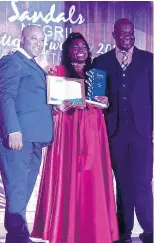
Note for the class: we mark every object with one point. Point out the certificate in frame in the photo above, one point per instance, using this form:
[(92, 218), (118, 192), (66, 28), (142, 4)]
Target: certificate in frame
[(60, 89)]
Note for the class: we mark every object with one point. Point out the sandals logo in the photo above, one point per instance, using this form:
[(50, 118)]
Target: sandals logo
[(50, 17), (57, 20), (56, 24)]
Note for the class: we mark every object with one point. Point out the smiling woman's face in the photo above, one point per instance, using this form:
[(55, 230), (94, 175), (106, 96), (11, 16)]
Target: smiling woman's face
[(78, 51)]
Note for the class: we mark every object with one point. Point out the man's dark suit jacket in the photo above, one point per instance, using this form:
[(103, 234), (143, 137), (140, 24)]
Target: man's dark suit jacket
[(23, 99), (140, 93)]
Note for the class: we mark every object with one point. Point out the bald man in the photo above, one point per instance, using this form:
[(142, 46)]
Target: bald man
[(26, 126), (129, 124)]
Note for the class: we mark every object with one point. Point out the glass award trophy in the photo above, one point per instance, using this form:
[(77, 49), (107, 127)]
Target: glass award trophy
[(96, 86)]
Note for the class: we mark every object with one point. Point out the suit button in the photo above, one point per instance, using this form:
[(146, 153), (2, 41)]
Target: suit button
[(124, 85), (124, 75), (124, 98)]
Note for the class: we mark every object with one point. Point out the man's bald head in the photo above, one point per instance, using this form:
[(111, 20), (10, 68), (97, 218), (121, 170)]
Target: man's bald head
[(30, 28), (122, 21), (124, 34), (32, 40)]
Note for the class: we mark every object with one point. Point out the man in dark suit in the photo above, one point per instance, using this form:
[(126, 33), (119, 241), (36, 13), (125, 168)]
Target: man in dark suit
[(26, 125), (129, 125)]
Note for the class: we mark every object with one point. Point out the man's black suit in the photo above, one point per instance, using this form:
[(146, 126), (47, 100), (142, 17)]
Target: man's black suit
[(129, 125)]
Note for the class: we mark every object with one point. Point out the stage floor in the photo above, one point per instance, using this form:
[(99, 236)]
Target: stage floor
[(135, 240), (3, 232)]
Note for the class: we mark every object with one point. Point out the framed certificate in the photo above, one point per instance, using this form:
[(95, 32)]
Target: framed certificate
[(60, 89)]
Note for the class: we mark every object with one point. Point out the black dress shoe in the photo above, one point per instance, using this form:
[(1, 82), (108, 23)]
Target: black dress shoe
[(146, 238), (128, 241), (125, 241)]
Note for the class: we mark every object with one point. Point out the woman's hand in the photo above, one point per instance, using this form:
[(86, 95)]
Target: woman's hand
[(102, 99), (65, 106)]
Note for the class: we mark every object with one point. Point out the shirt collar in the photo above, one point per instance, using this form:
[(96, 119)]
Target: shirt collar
[(24, 53), (130, 51)]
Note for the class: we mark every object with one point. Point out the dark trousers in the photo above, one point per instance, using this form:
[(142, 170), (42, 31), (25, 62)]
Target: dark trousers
[(132, 163), (19, 170)]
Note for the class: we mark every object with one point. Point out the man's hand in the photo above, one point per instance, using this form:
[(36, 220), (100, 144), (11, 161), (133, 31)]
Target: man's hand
[(15, 141)]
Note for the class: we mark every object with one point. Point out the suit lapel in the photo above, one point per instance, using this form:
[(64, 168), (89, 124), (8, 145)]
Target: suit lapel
[(134, 67), (114, 66), (32, 64)]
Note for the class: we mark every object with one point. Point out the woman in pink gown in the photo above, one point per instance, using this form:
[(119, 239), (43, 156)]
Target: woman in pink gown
[(76, 200)]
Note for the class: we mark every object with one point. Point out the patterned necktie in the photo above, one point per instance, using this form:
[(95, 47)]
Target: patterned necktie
[(36, 64), (124, 62), (34, 61)]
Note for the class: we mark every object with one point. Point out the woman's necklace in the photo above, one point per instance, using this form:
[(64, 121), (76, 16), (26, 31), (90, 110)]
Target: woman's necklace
[(79, 67)]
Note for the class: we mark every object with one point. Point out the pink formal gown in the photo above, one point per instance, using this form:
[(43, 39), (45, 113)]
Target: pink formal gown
[(76, 199)]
